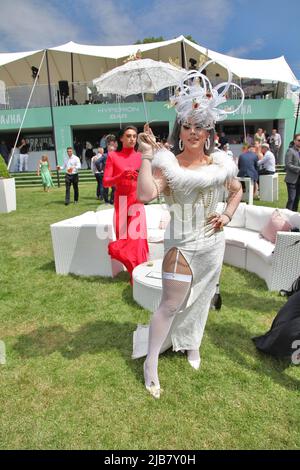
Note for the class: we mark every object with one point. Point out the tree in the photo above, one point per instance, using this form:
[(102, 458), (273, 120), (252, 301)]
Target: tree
[(161, 38), (152, 39), (190, 38)]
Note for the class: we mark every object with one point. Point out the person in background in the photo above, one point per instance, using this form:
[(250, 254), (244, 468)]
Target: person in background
[(44, 170), (247, 165), (223, 139), (292, 178), (266, 164), (89, 153), (226, 149), (98, 164), (259, 136), (103, 142), (78, 147), (121, 171), (249, 139), (24, 149), (275, 143), (112, 145), (71, 165)]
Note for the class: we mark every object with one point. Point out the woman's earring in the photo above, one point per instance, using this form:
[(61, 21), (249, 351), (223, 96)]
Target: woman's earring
[(207, 143), (180, 145)]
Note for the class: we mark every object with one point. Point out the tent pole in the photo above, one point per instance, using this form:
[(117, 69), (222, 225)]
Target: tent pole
[(72, 75), (24, 115), (52, 118), (183, 55), (297, 115), (243, 114)]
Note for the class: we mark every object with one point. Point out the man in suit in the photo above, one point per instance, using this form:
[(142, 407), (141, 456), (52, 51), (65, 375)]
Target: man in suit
[(292, 179), (247, 165)]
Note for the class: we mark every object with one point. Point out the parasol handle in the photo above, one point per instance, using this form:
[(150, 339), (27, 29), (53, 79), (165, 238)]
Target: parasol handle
[(145, 109)]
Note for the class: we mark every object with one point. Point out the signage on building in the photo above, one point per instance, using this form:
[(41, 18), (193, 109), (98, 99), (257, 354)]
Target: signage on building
[(9, 119)]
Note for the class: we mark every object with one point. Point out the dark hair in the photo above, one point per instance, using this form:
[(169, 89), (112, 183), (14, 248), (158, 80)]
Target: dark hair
[(174, 139), (122, 132), (296, 136), (68, 148), (111, 138)]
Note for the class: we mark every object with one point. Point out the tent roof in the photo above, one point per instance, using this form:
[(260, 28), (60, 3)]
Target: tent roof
[(91, 61)]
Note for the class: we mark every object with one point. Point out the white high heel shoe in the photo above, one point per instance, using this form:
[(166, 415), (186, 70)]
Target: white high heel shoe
[(195, 363), (153, 389)]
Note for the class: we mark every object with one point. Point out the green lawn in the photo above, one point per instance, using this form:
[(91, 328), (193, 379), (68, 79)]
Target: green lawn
[(69, 381)]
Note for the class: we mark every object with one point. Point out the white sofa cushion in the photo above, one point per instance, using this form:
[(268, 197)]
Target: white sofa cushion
[(257, 217), (251, 240), (263, 248), (239, 217)]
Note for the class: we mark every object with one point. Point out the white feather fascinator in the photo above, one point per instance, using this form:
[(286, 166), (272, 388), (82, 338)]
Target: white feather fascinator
[(197, 100)]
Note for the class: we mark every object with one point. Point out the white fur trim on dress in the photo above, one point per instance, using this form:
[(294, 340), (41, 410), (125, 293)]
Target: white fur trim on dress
[(183, 179)]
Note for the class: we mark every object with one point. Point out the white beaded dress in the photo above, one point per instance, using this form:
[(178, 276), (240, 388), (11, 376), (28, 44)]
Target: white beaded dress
[(194, 194)]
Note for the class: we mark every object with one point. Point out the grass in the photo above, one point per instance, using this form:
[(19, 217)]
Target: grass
[(69, 381)]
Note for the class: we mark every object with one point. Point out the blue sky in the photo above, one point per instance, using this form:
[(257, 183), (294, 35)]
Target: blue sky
[(257, 29)]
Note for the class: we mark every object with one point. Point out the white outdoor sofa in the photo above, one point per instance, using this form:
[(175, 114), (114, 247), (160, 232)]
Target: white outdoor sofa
[(80, 243), (278, 264)]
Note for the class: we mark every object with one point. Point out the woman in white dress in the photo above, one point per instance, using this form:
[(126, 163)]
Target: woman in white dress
[(191, 179)]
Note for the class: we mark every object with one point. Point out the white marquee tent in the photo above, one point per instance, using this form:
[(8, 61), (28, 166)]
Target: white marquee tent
[(82, 63)]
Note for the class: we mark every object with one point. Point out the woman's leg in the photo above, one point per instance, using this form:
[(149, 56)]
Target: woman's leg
[(176, 282)]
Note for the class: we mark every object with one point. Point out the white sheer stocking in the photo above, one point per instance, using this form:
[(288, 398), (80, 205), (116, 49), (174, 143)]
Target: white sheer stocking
[(174, 295)]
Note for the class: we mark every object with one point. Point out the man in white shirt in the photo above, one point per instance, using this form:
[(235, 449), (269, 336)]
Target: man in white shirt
[(71, 165), (266, 166), (275, 143)]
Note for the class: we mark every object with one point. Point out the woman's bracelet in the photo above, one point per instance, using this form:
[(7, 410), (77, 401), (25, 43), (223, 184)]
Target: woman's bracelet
[(147, 158), (227, 215)]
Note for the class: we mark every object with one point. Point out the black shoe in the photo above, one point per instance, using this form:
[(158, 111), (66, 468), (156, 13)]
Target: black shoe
[(67, 203)]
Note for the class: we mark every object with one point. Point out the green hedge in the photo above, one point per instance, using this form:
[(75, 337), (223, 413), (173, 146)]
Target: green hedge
[(3, 168)]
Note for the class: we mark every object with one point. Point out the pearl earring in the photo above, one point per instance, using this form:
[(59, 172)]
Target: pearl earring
[(180, 145)]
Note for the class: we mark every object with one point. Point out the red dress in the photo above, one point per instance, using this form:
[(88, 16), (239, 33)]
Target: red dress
[(131, 246)]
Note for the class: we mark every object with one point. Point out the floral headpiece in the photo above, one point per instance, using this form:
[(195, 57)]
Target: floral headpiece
[(197, 100)]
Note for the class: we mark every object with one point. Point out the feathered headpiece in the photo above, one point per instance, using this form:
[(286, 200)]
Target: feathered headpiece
[(196, 99)]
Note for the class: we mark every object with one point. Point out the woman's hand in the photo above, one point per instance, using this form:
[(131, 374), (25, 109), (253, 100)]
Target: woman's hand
[(215, 223), (147, 142), (130, 174)]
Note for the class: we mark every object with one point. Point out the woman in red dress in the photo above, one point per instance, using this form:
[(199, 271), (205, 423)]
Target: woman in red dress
[(121, 171)]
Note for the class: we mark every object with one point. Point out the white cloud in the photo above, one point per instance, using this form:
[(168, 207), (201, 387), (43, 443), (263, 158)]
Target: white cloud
[(115, 22), (120, 23), (244, 51), (206, 21), (33, 24)]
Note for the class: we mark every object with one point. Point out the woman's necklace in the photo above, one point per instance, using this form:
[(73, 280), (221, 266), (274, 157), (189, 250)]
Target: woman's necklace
[(204, 199)]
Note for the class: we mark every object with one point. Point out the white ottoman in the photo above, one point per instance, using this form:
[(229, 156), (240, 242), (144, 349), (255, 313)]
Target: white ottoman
[(268, 187), (147, 285), (80, 245)]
